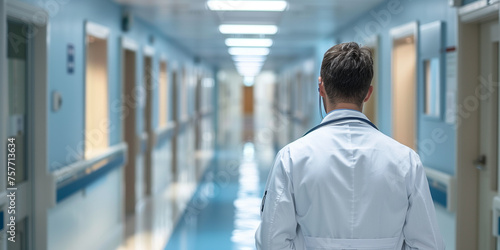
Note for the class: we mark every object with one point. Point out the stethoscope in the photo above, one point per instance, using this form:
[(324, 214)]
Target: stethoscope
[(341, 120), (338, 120)]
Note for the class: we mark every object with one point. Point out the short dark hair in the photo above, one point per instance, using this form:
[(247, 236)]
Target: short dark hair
[(347, 72)]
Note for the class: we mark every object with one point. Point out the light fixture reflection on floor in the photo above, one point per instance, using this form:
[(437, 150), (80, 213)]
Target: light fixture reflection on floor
[(247, 214)]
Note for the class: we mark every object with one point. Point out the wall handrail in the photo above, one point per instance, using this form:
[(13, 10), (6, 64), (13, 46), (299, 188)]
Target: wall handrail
[(478, 11), (165, 132), (79, 175), (442, 187)]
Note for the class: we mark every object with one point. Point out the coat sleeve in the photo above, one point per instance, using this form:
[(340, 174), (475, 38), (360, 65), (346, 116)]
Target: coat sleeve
[(420, 229), (278, 223)]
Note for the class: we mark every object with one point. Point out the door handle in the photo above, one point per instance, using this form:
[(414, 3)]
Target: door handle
[(480, 162)]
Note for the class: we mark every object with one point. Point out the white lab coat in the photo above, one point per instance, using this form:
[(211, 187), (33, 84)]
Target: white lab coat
[(347, 186)]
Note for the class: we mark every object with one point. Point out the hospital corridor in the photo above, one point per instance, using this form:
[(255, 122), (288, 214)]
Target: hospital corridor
[(211, 124)]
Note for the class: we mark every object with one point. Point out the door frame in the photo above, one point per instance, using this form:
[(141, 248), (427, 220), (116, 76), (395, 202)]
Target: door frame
[(396, 33), (373, 43), (42, 188), (467, 123), (148, 52), (130, 45), (175, 108), (487, 193)]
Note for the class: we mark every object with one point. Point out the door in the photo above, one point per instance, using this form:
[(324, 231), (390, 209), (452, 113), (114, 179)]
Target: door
[(297, 114), (175, 118), (198, 125), (198, 111), (487, 161), (129, 108), (248, 109), (19, 131), (148, 121), (404, 90)]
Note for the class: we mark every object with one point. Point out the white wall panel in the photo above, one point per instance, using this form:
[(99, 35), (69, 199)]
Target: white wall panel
[(87, 219)]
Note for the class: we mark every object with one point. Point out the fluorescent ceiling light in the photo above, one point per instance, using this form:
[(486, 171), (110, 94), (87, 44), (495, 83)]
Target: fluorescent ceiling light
[(219, 5), (249, 64), (249, 42), (248, 70), (248, 51), (248, 73), (249, 67), (249, 58), (248, 29)]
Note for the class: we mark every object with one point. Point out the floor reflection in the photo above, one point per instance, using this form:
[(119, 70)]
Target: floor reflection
[(247, 217), (224, 212)]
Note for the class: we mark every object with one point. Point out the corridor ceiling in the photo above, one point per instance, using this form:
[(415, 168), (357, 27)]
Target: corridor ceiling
[(190, 24)]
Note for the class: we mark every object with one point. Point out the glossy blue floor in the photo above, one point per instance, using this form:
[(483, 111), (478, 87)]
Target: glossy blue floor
[(225, 210)]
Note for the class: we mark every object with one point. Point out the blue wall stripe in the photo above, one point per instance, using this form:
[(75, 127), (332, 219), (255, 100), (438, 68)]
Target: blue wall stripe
[(164, 137), (67, 190), (438, 195), (498, 232), (1, 220), (182, 127)]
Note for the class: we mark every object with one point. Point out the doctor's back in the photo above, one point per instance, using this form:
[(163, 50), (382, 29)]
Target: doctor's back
[(345, 185)]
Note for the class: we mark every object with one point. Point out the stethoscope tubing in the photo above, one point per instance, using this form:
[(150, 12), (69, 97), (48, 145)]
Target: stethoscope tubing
[(340, 120)]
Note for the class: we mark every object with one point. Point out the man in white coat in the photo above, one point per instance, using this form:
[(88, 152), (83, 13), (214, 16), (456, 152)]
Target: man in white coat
[(345, 185)]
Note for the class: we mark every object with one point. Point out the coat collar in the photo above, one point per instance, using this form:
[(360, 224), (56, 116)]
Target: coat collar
[(341, 113)]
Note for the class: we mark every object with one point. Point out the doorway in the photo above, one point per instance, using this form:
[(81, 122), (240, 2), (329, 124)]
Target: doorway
[(487, 161), (198, 125), (248, 111), (148, 121), (19, 130), (163, 97), (298, 106), (175, 118), (129, 109), (248, 100), (477, 128), (23, 104), (96, 95), (198, 111), (404, 85)]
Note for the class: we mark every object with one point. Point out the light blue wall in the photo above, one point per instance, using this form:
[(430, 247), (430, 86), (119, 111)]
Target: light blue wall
[(379, 21), (66, 126), (101, 202), (67, 19)]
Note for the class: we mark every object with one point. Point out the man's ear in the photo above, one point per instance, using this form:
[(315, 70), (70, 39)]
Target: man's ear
[(321, 88), (370, 91)]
